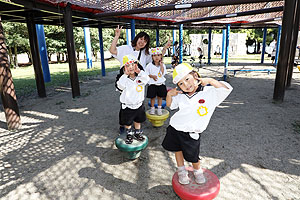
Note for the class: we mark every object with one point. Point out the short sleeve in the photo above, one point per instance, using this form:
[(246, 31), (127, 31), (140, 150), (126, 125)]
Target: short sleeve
[(121, 52), (174, 105), (220, 94)]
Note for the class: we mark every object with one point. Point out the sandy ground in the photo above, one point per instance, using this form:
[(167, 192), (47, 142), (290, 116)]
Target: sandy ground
[(65, 149)]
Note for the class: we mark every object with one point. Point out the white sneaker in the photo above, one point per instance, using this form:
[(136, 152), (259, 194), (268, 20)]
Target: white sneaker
[(159, 111), (199, 176), (152, 111), (183, 177)]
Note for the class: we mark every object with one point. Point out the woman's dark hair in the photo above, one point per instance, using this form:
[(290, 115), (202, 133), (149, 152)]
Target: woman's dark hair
[(146, 37)]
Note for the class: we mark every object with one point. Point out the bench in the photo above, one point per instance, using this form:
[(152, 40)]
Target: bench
[(251, 70)]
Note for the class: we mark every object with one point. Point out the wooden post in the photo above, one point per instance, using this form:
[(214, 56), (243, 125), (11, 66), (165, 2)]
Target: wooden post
[(293, 45), (7, 89), (71, 51), (285, 45), (36, 61)]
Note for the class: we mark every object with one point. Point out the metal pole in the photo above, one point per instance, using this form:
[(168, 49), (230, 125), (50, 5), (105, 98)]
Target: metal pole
[(180, 43), (128, 38), (277, 45), (43, 51), (157, 37), (285, 45), (264, 45), (132, 26), (174, 39), (88, 48), (101, 49), (209, 46), (223, 43), (226, 51)]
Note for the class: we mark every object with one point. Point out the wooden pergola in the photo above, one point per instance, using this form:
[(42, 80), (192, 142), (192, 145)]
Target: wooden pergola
[(150, 14)]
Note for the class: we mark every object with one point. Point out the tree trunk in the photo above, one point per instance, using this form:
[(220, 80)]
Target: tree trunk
[(7, 89), (11, 65), (29, 55), (58, 57), (78, 56)]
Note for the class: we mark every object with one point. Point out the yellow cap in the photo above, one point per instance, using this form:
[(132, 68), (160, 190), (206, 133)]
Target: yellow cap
[(156, 51), (129, 59), (181, 71)]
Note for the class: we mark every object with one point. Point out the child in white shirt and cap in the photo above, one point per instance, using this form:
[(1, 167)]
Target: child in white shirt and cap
[(157, 88), (196, 99), (132, 83)]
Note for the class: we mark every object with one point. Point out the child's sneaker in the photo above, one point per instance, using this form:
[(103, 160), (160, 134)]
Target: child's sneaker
[(152, 111), (199, 176), (159, 111), (138, 135), (129, 137), (183, 177)]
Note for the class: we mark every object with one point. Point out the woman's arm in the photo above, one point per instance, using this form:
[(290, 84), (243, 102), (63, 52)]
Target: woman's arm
[(113, 47)]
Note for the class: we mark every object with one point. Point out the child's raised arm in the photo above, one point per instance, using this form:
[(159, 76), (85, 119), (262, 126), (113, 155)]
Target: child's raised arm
[(213, 82), (170, 94)]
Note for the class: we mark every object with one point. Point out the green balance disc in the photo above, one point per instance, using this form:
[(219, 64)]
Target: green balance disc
[(133, 150)]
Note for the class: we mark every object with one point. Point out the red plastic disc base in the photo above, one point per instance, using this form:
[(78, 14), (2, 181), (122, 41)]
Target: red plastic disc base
[(193, 191)]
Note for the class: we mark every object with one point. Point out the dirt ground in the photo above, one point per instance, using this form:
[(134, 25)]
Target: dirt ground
[(65, 149)]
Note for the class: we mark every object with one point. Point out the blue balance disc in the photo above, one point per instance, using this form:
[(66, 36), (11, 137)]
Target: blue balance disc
[(163, 105), (133, 150)]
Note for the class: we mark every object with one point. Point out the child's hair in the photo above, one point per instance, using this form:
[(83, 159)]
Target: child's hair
[(146, 37)]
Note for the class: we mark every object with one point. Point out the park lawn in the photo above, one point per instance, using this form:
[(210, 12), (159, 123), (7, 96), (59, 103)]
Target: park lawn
[(25, 84)]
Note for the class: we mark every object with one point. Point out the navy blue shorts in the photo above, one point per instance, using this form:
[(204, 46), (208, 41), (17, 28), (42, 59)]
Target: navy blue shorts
[(156, 91), (181, 141), (127, 116)]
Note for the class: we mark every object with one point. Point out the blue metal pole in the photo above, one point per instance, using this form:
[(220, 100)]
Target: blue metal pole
[(157, 37), (264, 46), (174, 39), (209, 46), (180, 42), (101, 50), (277, 45), (223, 43), (132, 26), (88, 48), (43, 51), (226, 51), (128, 39)]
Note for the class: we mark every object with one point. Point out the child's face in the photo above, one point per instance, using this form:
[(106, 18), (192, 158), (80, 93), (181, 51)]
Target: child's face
[(130, 68), (156, 58), (188, 83)]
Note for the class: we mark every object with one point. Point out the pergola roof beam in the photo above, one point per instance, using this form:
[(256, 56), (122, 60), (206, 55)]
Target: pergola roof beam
[(251, 12), (169, 7)]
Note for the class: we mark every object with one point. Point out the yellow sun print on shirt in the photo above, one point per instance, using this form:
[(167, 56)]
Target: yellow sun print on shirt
[(159, 74), (139, 88), (202, 110)]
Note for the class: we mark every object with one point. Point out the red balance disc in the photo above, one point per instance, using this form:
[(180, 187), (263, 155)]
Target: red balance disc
[(193, 191)]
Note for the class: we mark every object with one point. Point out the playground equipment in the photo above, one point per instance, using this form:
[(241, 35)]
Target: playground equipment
[(251, 70), (193, 191), (158, 120), (133, 150), (163, 105)]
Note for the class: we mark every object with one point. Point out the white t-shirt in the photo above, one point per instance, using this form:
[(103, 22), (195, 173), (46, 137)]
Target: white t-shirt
[(128, 49), (195, 111), (155, 70), (133, 93)]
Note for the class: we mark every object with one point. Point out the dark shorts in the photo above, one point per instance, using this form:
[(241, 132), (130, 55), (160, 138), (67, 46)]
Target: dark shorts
[(156, 91), (181, 141), (127, 116)]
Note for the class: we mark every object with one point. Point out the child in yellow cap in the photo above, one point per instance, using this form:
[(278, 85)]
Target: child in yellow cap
[(196, 99), (157, 88), (132, 83)]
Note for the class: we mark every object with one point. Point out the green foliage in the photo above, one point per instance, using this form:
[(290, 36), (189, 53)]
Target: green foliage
[(55, 39)]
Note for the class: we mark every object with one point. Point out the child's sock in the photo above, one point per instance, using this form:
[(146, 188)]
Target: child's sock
[(181, 168)]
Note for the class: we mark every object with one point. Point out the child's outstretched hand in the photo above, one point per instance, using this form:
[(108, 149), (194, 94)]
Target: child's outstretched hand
[(118, 31), (174, 92)]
